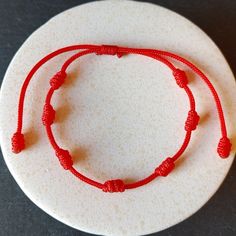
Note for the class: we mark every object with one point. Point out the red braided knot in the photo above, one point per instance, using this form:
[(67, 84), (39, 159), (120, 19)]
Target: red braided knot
[(64, 158), (58, 79), (192, 120), (109, 50), (224, 147), (165, 167), (17, 142), (48, 114), (116, 185), (180, 77)]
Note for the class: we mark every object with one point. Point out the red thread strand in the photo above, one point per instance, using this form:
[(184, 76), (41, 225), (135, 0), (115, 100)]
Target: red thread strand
[(35, 69), (197, 71), (144, 181), (58, 79)]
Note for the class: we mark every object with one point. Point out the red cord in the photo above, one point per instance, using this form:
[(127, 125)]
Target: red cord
[(58, 79)]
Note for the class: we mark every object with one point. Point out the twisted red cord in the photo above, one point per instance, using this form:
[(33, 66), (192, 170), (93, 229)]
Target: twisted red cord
[(57, 81)]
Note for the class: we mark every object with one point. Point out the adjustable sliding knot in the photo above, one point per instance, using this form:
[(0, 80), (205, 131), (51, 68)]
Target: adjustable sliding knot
[(64, 158), (48, 114), (109, 50), (17, 142), (192, 120), (224, 147), (165, 167), (116, 185), (57, 80), (180, 77)]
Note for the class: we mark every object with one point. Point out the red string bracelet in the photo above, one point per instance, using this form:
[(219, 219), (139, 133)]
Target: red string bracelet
[(64, 157)]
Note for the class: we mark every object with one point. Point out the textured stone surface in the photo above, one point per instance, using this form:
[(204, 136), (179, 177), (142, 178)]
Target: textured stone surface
[(119, 116)]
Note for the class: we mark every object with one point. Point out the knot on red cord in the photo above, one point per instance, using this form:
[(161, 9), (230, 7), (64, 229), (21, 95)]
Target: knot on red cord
[(192, 120), (116, 185), (165, 167), (48, 114), (224, 147), (65, 158), (109, 50), (17, 142), (57, 80), (180, 77)]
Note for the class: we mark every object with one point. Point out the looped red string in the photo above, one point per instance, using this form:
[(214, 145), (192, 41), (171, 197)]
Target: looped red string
[(48, 114), (192, 121), (165, 167), (64, 158), (57, 80), (112, 186), (224, 147)]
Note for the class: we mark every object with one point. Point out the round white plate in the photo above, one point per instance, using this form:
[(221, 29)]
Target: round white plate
[(120, 118)]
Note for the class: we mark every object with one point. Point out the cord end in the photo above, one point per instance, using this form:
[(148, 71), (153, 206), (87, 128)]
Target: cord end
[(224, 147), (17, 142)]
